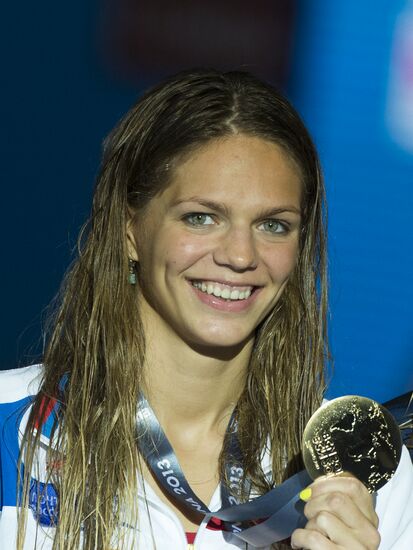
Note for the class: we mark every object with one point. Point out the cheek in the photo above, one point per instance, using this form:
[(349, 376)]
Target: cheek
[(181, 252), (281, 262)]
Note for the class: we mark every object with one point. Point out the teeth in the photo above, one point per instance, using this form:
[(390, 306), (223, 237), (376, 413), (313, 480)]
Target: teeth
[(225, 293)]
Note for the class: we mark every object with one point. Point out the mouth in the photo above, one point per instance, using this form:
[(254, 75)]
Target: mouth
[(225, 291)]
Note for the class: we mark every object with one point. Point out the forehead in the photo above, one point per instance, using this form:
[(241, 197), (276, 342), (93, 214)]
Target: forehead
[(237, 167)]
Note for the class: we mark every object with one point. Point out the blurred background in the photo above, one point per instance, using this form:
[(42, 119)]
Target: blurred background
[(70, 70)]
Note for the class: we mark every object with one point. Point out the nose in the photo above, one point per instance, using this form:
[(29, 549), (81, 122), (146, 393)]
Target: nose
[(237, 250)]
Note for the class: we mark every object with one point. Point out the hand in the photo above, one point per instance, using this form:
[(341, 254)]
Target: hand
[(340, 516)]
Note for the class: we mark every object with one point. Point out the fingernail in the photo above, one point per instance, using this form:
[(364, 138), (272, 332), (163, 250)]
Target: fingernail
[(305, 494)]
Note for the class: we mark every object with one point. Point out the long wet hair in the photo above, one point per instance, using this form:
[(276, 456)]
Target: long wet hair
[(96, 340)]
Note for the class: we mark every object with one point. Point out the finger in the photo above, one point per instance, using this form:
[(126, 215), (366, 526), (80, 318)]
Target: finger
[(311, 540), (350, 486), (344, 508), (332, 528)]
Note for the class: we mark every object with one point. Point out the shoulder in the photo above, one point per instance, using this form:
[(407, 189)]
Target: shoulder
[(16, 384), (394, 507)]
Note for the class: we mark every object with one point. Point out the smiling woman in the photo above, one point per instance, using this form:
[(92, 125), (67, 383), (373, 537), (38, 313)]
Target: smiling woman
[(188, 349), (207, 246)]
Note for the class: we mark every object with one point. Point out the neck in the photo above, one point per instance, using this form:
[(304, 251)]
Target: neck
[(192, 391)]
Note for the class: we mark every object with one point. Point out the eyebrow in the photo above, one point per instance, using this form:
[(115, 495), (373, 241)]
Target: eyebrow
[(223, 209)]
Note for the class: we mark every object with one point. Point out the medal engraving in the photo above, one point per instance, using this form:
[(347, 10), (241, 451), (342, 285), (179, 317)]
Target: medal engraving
[(352, 434)]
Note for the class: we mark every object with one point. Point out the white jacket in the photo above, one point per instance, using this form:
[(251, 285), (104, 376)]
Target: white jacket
[(159, 527)]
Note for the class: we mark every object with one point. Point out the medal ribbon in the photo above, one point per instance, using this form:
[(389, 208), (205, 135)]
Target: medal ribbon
[(264, 520)]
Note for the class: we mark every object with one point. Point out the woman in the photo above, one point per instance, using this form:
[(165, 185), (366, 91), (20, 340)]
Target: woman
[(200, 285)]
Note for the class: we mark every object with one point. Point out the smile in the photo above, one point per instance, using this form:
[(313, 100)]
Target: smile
[(223, 291)]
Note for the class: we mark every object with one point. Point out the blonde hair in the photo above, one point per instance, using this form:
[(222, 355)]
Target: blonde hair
[(96, 335)]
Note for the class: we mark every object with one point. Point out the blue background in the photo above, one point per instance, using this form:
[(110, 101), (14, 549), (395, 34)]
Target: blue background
[(59, 101), (340, 84)]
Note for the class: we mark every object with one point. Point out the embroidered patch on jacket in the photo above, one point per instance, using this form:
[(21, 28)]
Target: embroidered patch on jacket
[(43, 502)]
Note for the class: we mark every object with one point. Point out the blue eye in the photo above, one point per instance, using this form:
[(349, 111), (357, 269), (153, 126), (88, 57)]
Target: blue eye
[(275, 227), (197, 218)]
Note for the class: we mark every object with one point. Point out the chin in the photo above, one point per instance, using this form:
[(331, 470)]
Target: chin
[(217, 344)]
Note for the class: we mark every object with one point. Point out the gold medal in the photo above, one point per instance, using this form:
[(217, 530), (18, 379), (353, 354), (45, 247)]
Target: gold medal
[(352, 434)]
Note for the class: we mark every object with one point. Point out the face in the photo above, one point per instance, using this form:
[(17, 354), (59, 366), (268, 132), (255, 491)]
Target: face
[(217, 246)]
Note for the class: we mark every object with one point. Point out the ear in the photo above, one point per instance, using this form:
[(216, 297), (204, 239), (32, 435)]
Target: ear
[(131, 241)]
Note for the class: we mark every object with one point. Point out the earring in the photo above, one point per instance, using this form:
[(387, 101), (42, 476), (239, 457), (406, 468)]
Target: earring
[(132, 271)]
